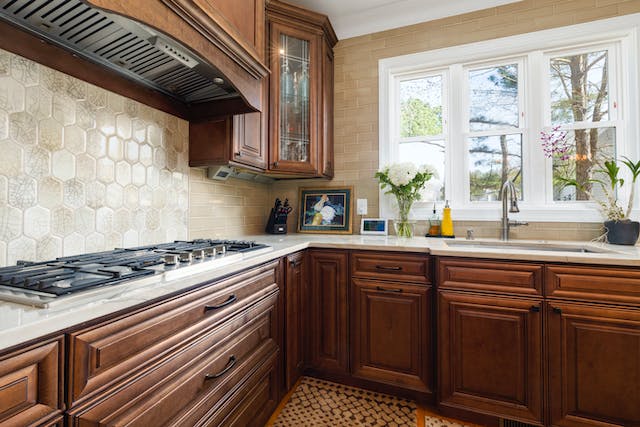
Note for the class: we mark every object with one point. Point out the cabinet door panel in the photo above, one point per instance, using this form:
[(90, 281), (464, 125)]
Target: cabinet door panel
[(329, 311), (391, 326), (594, 365), (490, 355), (31, 385), (295, 292)]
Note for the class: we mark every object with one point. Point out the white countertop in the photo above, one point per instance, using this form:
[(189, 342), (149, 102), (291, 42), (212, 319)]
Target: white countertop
[(20, 323)]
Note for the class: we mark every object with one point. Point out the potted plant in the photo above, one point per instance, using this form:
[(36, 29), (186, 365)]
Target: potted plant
[(404, 180), (619, 228)]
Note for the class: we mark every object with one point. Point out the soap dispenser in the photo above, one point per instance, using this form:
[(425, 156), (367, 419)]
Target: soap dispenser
[(434, 224), (446, 229)]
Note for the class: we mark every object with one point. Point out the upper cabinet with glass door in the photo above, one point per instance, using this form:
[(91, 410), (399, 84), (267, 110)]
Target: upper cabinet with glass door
[(301, 91)]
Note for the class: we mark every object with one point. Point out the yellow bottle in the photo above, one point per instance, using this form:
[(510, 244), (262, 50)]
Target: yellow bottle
[(446, 229)]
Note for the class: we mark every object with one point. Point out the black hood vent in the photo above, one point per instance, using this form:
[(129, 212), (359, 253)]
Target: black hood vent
[(122, 45)]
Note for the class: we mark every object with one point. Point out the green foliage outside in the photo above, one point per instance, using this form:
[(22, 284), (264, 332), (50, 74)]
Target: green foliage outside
[(418, 118)]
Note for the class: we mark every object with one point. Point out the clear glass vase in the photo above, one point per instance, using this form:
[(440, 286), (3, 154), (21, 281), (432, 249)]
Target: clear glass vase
[(402, 224)]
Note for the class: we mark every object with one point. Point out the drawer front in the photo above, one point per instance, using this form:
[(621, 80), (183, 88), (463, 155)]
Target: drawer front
[(253, 403), (404, 267), (31, 385), (593, 283), (103, 354), (194, 380), (492, 276)]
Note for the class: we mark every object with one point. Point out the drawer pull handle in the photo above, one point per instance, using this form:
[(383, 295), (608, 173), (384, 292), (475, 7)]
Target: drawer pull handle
[(557, 310), (389, 268), (229, 300), (381, 289), (230, 364), (535, 309)]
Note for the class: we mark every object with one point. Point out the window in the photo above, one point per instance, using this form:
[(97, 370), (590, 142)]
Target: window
[(421, 133), (476, 113), (494, 138)]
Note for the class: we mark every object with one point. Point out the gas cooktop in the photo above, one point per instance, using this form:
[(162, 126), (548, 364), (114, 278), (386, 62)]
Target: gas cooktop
[(42, 283)]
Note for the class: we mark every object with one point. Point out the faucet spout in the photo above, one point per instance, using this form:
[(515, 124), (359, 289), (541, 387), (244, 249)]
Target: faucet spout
[(509, 197)]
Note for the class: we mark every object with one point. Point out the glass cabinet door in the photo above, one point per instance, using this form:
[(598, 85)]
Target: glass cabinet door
[(294, 99), (294, 137)]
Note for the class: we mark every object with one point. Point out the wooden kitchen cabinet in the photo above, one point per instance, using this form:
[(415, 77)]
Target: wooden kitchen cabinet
[(32, 385), (239, 140), (391, 333), (295, 294), (490, 355), (328, 327), (301, 91), (594, 365)]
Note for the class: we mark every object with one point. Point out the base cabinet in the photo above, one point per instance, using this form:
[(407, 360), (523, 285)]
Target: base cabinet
[(594, 365), (490, 350), (391, 329), (328, 315)]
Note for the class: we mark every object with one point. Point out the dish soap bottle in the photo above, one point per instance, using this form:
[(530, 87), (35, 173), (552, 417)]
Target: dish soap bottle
[(446, 229), (434, 223)]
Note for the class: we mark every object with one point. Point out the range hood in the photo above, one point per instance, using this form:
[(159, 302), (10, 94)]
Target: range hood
[(126, 47)]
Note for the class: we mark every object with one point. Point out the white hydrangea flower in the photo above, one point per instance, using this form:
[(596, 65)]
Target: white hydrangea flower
[(402, 173), (430, 169)]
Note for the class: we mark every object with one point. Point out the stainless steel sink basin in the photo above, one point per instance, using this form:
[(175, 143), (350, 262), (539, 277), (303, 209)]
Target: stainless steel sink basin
[(526, 246)]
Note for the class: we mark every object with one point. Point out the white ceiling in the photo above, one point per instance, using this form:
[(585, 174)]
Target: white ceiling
[(352, 18)]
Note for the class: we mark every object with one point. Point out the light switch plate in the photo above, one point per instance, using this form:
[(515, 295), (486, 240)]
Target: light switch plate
[(361, 207)]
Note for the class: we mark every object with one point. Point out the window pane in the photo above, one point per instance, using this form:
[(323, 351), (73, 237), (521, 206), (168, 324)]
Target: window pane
[(492, 160), (579, 88), (493, 98), (431, 153), (421, 107), (588, 150)]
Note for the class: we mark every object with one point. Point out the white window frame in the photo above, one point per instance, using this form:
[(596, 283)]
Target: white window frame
[(535, 48)]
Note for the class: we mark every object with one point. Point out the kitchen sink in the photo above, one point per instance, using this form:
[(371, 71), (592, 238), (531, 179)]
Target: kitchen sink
[(529, 246)]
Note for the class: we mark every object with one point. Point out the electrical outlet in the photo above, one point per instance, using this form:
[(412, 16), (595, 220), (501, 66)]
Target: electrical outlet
[(362, 207)]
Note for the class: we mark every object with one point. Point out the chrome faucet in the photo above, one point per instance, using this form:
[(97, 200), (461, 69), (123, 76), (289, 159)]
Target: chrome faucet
[(512, 199)]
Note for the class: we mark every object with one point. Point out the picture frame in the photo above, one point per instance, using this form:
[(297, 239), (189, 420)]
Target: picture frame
[(374, 226), (325, 210)]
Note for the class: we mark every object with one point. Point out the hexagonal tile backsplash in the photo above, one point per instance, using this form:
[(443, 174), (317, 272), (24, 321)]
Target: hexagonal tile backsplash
[(83, 169)]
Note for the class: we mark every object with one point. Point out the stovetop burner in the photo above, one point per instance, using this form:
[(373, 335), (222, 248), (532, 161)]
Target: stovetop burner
[(67, 275)]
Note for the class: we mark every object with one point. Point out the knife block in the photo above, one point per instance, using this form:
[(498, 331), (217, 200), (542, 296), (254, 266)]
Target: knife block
[(277, 223)]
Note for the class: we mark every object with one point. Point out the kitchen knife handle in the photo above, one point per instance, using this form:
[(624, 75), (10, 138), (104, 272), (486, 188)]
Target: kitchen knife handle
[(230, 364), (381, 289), (389, 268), (229, 300)]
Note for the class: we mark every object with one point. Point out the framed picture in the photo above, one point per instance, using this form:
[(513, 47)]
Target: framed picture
[(325, 210), (375, 226)]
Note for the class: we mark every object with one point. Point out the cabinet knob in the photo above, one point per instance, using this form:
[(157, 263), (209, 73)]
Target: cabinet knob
[(275, 164), (230, 364), (557, 310), (535, 309), (237, 154)]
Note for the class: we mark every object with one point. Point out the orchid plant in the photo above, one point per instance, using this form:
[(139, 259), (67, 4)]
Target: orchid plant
[(554, 145)]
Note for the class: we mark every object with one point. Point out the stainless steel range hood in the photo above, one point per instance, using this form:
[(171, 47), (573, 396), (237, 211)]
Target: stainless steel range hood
[(124, 46)]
